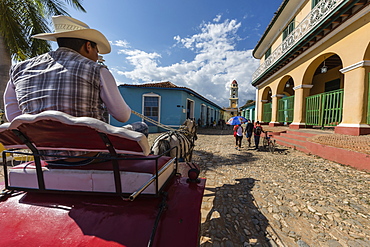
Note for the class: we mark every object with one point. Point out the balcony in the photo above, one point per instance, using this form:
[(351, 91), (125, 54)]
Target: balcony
[(309, 24)]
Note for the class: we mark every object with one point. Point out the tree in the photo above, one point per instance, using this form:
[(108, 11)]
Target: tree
[(21, 19)]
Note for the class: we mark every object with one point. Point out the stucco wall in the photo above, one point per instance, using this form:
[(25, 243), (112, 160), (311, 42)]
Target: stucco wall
[(173, 105)]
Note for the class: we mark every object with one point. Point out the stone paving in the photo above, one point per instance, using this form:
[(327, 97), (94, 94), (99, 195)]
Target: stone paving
[(255, 198)]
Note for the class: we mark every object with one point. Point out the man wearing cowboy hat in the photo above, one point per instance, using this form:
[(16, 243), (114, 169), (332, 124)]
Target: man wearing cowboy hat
[(68, 79)]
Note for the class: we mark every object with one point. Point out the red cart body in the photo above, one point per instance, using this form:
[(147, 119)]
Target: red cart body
[(164, 211)]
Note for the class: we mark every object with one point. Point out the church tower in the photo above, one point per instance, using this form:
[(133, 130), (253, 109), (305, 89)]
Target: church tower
[(234, 94)]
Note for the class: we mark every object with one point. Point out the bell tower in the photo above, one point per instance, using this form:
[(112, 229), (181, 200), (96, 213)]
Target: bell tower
[(234, 94)]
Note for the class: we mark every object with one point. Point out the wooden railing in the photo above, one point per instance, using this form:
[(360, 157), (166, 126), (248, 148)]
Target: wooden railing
[(325, 109)]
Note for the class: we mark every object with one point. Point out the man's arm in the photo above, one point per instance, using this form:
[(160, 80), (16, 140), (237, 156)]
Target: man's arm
[(112, 98), (10, 102)]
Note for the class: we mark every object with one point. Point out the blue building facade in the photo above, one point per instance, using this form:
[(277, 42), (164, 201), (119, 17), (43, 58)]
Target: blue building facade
[(249, 110), (167, 104)]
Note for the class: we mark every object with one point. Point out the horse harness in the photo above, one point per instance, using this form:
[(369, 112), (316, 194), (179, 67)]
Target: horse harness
[(182, 144)]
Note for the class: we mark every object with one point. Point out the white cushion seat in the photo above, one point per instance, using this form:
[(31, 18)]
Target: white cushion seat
[(53, 130), (97, 177)]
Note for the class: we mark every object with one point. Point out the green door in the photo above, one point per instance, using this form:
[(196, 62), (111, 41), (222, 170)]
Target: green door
[(286, 109), (267, 112)]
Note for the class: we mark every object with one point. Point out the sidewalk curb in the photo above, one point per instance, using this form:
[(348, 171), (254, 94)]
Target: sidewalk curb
[(360, 161)]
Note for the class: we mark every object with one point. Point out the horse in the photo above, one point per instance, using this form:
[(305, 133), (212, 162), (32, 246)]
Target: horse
[(183, 138)]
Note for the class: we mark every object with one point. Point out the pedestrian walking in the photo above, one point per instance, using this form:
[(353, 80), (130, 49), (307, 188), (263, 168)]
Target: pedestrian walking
[(199, 122), (249, 131), (238, 134), (223, 124), (257, 130)]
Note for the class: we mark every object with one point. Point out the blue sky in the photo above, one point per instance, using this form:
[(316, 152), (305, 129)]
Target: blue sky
[(200, 44)]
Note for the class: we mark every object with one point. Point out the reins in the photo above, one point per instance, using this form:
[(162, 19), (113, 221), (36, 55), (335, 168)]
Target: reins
[(153, 121), (162, 125)]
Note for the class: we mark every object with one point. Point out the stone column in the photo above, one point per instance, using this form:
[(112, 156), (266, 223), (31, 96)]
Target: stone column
[(355, 100), (275, 110), (300, 95), (257, 107)]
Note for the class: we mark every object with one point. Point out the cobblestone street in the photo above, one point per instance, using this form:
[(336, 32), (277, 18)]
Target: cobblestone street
[(255, 198)]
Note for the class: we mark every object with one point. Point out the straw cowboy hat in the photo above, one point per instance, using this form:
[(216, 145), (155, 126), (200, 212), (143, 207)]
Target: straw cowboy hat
[(68, 27)]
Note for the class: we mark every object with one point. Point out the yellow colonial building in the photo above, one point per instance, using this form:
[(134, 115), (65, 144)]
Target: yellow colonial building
[(315, 65)]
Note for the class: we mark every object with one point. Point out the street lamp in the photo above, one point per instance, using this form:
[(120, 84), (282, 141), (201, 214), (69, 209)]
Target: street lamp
[(324, 69)]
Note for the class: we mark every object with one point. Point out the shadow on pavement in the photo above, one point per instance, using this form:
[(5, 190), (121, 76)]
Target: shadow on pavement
[(245, 155), (278, 150), (234, 217)]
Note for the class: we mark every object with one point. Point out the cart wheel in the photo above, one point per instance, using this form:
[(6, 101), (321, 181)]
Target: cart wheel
[(272, 147), (264, 143)]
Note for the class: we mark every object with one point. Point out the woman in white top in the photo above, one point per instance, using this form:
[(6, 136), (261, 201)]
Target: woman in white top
[(238, 133)]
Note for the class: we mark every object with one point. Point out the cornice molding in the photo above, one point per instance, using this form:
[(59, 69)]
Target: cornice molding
[(278, 95), (304, 86), (365, 63)]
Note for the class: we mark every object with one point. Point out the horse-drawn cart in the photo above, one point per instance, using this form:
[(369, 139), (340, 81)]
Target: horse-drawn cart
[(123, 197)]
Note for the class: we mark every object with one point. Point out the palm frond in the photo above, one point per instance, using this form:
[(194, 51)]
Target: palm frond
[(58, 7), (11, 28), (36, 23), (21, 19)]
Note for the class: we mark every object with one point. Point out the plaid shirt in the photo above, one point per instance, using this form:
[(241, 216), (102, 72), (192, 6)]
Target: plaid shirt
[(61, 80)]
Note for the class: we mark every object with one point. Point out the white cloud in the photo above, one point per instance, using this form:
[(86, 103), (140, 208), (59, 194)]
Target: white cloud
[(215, 65), (218, 18), (258, 25), (121, 43)]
